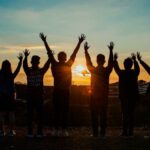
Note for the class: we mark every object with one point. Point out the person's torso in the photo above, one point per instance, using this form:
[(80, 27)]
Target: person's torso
[(35, 78), (100, 80), (62, 75), (7, 86), (128, 83)]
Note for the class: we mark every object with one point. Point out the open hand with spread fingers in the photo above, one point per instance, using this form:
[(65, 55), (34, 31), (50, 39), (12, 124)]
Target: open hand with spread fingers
[(82, 38), (42, 36), (111, 46), (26, 53), (86, 46)]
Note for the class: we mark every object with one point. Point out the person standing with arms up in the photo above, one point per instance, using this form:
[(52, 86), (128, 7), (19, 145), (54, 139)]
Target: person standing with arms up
[(61, 71), (35, 76), (147, 68), (7, 95), (128, 91), (99, 89)]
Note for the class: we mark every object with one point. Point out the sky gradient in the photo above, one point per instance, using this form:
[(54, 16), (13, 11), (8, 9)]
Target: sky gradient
[(125, 22)]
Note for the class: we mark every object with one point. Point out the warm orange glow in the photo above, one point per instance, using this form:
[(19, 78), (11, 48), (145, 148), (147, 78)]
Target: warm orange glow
[(80, 70), (78, 78)]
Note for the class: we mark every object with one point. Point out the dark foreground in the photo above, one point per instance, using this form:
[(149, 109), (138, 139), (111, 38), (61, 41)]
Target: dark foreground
[(80, 139)]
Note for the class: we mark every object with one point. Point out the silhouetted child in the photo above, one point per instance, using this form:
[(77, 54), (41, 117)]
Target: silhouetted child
[(99, 89), (128, 91), (7, 95), (61, 71), (35, 76)]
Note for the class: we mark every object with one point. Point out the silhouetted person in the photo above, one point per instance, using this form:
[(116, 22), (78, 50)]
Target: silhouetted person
[(35, 76), (128, 91), (99, 89), (61, 71), (7, 95), (146, 67)]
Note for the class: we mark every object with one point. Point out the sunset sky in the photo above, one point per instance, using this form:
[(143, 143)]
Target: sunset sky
[(126, 22)]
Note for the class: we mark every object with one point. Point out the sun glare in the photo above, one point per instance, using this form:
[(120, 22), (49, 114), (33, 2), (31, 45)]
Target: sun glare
[(81, 70)]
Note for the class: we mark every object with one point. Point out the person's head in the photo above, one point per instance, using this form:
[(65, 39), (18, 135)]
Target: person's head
[(100, 59), (128, 63), (62, 56), (6, 67), (35, 60)]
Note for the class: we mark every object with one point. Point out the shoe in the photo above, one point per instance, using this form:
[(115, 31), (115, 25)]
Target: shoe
[(12, 133), (130, 134), (56, 133), (146, 137), (94, 135), (40, 135), (2, 133), (124, 134), (65, 133), (53, 132), (59, 133), (102, 132), (102, 135), (29, 136)]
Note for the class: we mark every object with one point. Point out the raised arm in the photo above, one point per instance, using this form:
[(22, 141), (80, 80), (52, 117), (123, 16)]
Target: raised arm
[(145, 66), (46, 66), (73, 56), (20, 57), (136, 65), (25, 61), (49, 51), (110, 60), (88, 58), (116, 66)]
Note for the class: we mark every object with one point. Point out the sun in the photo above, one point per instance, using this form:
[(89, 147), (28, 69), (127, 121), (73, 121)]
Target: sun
[(81, 70)]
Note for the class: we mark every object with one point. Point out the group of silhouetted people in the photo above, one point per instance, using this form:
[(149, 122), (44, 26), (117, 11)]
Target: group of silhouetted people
[(61, 71)]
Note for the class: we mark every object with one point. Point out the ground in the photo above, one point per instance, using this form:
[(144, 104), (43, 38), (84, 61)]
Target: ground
[(80, 139)]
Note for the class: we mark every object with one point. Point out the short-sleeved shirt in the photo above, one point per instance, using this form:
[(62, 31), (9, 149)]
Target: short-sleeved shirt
[(100, 80)]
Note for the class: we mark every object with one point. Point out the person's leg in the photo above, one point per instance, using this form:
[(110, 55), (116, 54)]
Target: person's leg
[(1, 122), (11, 120), (103, 118), (56, 109), (124, 104), (94, 116), (65, 109), (131, 117), (30, 108), (39, 110)]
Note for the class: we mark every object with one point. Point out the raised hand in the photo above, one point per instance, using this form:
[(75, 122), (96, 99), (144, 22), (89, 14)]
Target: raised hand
[(115, 56), (133, 56), (20, 56), (86, 46), (42, 36), (26, 53), (111, 46), (139, 57), (82, 38)]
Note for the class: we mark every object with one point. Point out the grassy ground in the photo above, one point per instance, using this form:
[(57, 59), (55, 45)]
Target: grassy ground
[(80, 139)]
